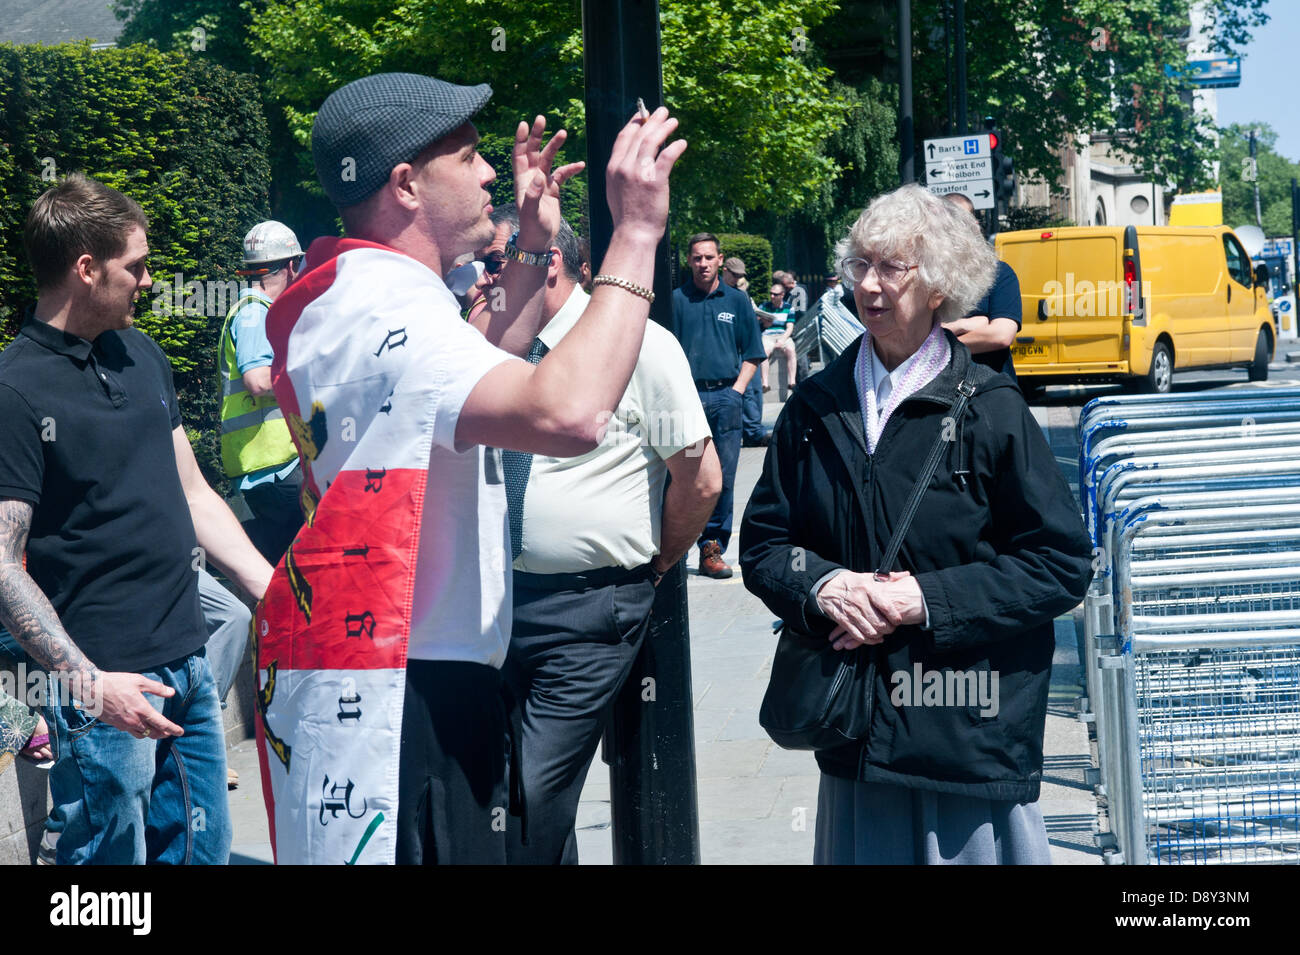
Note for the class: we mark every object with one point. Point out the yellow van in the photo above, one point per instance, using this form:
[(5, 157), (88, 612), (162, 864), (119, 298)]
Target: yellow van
[(1132, 303)]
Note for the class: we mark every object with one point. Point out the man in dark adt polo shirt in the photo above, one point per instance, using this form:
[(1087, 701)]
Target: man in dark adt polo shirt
[(989, 329), (716, 325), (99, 487)]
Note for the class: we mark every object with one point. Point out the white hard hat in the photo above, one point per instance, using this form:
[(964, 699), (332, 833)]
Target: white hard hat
[(270, 241)]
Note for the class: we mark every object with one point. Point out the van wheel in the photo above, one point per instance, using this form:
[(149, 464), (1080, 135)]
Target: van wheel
[(1160, 375), (1258, 369)]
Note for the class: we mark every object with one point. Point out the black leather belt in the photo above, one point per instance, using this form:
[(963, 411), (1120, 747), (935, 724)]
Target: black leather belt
[(587, 580), (704, 384)]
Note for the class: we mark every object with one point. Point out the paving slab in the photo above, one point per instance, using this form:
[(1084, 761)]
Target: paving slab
[(737, 797)]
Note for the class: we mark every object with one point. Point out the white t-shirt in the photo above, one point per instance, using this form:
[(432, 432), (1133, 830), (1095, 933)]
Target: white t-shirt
[(604, 508), (407, 365), (462, 605)]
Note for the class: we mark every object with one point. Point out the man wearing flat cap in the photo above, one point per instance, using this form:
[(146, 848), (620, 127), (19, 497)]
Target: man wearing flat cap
[(384, 629)]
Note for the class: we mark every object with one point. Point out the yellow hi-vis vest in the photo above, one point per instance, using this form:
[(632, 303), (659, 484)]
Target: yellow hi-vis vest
[(254, 434)]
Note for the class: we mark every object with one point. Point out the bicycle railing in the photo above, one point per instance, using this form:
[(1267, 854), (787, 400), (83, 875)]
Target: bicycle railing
[(1107, 417), (1192, 624), (827, 327)]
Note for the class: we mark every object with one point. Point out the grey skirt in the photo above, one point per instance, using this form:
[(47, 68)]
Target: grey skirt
[(876, 824)]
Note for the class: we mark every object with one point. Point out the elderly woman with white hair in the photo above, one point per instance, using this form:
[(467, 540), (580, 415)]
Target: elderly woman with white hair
[(914, 533)]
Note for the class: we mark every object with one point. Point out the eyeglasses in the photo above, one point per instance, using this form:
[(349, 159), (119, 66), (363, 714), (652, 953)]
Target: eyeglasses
[(889, 272), (494, 262)]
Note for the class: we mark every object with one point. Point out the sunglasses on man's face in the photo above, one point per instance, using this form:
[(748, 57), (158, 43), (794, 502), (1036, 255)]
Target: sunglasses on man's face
[(494, 262)]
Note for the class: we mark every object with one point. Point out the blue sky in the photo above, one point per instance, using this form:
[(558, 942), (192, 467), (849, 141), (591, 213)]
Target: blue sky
[(1267, 93)]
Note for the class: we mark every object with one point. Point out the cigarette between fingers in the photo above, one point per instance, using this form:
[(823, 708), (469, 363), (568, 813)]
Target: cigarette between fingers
[(641, 111)]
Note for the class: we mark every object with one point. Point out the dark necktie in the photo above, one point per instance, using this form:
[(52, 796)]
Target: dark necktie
[(517, 465)]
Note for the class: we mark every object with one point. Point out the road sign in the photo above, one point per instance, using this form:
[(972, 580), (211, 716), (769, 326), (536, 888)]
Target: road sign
[(1221, 72), (1278, 246), (979, 192), (961, 164), (959, 170), (956, 147)]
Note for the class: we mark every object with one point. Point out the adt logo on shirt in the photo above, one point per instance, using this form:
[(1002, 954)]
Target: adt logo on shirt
[(728, 317)]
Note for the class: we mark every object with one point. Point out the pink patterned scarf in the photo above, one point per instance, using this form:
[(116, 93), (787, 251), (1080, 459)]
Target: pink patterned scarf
[(930, 359)]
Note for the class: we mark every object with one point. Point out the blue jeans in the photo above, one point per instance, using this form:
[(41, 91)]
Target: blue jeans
[(722, 410), (752, 430), (129, 801)]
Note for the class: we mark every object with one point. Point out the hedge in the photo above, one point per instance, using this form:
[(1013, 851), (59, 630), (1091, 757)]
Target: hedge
[(756, 252), (184, 138)]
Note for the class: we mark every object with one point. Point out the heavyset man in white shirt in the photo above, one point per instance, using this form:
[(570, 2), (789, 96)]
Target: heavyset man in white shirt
[(592, 537)]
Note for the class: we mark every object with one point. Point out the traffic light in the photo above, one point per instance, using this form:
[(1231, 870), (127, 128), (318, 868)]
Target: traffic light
[(1004, 173)]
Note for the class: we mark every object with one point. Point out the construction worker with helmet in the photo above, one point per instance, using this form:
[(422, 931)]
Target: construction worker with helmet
[(256, 447)]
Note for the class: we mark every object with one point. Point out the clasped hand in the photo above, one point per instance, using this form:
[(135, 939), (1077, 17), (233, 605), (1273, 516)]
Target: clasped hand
[(865, 609)]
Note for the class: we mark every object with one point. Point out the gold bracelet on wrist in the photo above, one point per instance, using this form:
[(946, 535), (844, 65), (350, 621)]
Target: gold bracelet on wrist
[(624, 284)]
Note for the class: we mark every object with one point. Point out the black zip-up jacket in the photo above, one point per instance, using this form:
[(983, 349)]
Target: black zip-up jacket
[(998, 553)]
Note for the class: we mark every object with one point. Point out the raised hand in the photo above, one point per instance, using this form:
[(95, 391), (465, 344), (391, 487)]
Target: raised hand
[(537, 185), (636, 179)]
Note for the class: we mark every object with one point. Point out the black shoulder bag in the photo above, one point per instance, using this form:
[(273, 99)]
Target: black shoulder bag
[(818, 697)]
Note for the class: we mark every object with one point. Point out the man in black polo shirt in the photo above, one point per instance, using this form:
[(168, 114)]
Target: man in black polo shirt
[(716, 325), (989, 329), (100, 488)]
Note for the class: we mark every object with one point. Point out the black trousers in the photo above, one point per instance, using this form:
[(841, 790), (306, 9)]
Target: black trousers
[(277, 515), (452, 805), (570, 652)]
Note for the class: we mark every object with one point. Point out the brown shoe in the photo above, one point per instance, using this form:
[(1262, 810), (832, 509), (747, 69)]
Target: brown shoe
[(232, 778), (711, 562)]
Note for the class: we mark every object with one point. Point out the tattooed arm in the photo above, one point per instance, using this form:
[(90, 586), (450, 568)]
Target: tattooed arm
[(26, 611)]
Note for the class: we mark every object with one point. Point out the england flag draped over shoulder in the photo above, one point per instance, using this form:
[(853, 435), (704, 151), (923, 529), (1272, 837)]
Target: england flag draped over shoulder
[(332, 631)]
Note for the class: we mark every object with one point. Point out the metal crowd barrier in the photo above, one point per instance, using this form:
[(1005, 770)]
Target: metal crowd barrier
[(1192, 625), (825, 330)]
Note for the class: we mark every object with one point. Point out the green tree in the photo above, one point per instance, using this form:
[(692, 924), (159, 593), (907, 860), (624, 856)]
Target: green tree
[(217, 31), (1275, 174), (752, 96), (215, 28), (1050, 70), (866, 150)]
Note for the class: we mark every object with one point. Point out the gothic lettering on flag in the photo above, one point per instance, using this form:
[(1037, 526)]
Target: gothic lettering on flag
[(333, 628)]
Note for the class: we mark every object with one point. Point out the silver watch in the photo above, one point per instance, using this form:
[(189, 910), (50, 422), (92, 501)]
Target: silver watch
[(512, 251)]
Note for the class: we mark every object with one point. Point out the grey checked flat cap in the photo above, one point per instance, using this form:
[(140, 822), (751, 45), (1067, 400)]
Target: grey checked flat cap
[(370, 125)]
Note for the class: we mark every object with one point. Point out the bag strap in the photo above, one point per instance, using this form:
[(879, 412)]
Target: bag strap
[(958, 408)]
